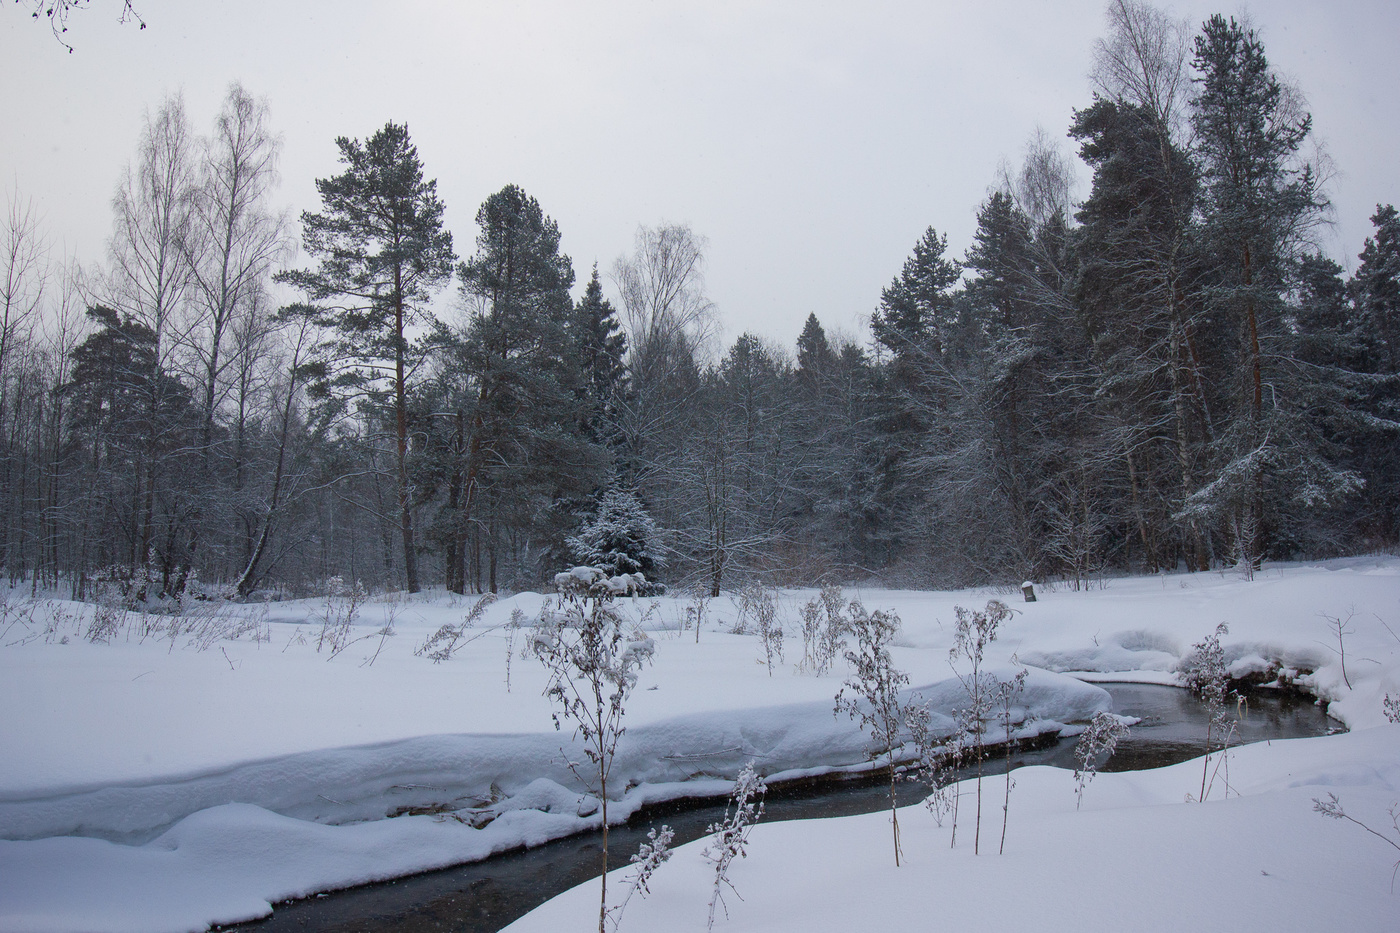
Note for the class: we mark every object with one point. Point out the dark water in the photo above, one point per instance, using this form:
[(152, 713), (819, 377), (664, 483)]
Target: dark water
[(484, 896)]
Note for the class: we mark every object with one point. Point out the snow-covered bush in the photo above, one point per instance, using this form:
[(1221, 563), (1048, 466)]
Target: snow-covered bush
[(650, 856), (1391, 707), (871, 693), (730, 836), (592, 664), (759, 604), (621, 537), (1096, 743), (1205, 673)]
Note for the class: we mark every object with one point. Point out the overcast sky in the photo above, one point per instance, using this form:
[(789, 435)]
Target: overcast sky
[(810, 143)]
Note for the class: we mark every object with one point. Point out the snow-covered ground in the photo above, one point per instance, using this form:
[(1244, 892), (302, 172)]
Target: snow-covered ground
[(159, 783)]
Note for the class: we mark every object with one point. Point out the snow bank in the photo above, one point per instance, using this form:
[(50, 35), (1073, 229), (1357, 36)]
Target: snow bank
[(1136, 857), (155, 786), (347, 785)]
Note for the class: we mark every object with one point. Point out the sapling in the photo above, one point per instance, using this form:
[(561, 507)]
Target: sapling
[(730, 837), (1096, 743), (1205, 673), (975, 630), (1339, 629), (871, 694), (592, 665)]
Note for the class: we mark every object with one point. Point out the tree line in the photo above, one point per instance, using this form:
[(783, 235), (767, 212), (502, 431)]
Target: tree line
[(1168, 374)]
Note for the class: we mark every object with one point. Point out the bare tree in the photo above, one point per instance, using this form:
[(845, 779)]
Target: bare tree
[(58, 11), (235, 239), (1143, 60), (150, 277), (24, 275), (662, 285)]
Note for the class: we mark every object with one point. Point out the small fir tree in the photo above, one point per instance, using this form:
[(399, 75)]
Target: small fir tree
[(620, 537)]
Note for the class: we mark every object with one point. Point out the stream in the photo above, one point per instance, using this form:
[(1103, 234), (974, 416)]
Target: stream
[(482, 897)]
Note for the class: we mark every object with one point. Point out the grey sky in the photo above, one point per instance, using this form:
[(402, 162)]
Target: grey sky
[(811, 143)]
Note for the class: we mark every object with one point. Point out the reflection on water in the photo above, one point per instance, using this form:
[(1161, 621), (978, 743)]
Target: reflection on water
[(484, 896)]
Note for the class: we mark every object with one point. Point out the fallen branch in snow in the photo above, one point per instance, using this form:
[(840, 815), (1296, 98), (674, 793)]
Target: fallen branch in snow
[(1332, 809)]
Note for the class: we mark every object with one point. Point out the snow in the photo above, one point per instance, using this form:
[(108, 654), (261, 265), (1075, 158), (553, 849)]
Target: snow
[(147, 784), (1136, 857)]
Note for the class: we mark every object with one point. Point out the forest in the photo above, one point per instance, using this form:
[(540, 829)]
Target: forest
[(1169, 374)]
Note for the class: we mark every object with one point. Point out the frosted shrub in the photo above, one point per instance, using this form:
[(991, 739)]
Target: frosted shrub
[(208, 622), (730, 837), (1391, 707), (1205, 673), (442, 644), (824, 627), (650, 856), (107, 620), (592, 665), (338, 617), (871, 694), (517, 621), (1095, 744), (695, 612), (975, 630), (762, 606)]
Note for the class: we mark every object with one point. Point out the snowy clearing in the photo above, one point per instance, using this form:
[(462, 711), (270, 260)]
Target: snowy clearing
[(163, 783)]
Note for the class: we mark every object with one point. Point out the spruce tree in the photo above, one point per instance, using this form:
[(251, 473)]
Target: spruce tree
[(602, 350), (1375, 335), (382, 252)]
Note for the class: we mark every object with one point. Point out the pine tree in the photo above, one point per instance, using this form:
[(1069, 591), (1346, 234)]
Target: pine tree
[(915, 310), (1258, 202), (518, 406), (814, 356), (1129, 298), (382, 252)]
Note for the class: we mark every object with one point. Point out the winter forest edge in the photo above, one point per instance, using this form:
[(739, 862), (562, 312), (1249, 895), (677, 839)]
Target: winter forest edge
[(1166, 375)]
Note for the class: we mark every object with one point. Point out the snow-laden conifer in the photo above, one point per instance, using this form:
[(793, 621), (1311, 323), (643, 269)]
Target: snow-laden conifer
[(620, 537)]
